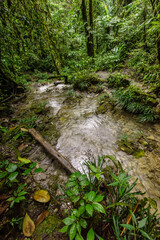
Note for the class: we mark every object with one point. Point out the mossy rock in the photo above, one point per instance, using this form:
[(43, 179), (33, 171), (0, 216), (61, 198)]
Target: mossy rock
[(140, 153), (102, 108), (49, 227)]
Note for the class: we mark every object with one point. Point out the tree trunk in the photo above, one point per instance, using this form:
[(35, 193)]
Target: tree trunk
[(88, 34), (91, 39)]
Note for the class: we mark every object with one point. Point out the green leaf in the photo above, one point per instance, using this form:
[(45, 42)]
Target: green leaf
[(75, 190), (71, 184), (22, 193), (18, 199), (24, 160), (91, 195), (90, 234), (33, 165), (79, 237), (3, 174), (81, 210), (93, 168), (98, 207), (152, 202), (64, 229), (145, 235), (13, 176), (79, 228), (142, 223), (26, 171), (133, 217), (75, 198), (10, 199), (12, 203), (83, 223), (72, 231), (11, 167), (84, 183), (89, 209), (37, 170), (82, 177), (69, 220), (98, 198), (128, 226)]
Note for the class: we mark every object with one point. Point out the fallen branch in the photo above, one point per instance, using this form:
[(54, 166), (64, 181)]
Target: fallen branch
[(52, 151)]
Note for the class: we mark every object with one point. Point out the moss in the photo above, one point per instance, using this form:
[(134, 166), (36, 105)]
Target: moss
[(140, 153), (49, 226), (117, 80)]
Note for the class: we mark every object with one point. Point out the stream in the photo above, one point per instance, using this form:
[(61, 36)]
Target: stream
[(84, 135)]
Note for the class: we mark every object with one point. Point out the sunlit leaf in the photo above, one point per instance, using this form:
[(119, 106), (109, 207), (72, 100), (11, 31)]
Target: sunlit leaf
[(90, 234), (42, 196), (24, 160)]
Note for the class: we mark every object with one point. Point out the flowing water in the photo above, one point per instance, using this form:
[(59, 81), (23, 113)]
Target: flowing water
[(84, 134)]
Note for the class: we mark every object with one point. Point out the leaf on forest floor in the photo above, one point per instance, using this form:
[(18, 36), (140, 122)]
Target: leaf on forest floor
[(42, 196), (41, 217), (22, 146), (28, 226), (24, 160)]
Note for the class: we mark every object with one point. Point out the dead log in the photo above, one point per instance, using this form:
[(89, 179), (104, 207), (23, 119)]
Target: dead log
[(56, 155)]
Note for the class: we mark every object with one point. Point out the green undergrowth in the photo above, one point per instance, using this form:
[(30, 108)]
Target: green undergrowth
[(82, 81), (117, 80), (103, 205), (136, 102)]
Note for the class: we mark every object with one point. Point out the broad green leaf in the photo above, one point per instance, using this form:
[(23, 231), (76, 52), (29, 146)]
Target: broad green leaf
[(22, 193), (3, 174), (75, 212), (75, 198), (91, 195), (82, 177), (98, 207), (37, 170), (83, 223), (145, 235), (10, 199), (79, 237), (64, 229), (11, 167), (81, 210), (71, 184), (142, 223), (33, 165), (13, 176), (79, 228), (98, 198), (24, 160), (18, 199), (72, 231), (84, 183), (90, 234), (128, 226), (89, 209), (69, 220), (75, 190)]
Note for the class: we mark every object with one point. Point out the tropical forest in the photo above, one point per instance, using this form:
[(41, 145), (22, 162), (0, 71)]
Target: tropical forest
[(79, 119)]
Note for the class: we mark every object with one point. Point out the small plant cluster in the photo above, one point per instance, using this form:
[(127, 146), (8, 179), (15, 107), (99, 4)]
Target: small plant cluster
[(84, 80), (12, 173), (104, 206), (132, 100), (117, 80)]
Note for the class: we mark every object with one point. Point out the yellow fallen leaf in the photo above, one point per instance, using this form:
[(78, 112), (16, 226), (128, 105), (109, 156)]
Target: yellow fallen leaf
[(24, 160), (24, 130), (28, 226), (42, 196)]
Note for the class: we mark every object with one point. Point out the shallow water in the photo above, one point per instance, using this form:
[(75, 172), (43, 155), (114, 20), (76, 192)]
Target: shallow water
[(84, 134)]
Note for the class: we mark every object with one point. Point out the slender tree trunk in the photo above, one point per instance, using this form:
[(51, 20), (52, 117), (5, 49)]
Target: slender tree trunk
[(91, 38), (88, 34)]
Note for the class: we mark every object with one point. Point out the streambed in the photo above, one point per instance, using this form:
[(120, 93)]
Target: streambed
[(84, 134)]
